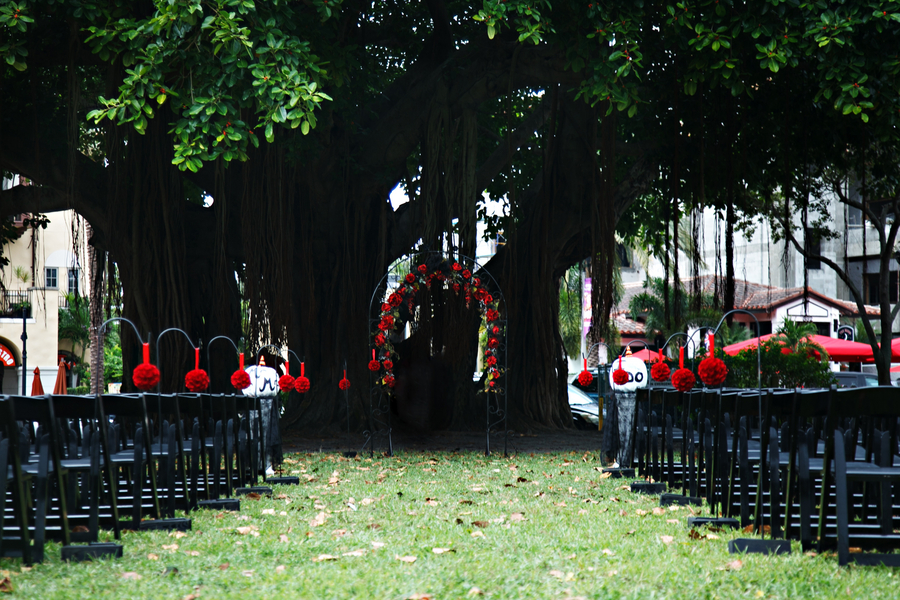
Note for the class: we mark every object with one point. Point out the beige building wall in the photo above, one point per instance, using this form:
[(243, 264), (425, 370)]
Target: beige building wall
[(48, 267)]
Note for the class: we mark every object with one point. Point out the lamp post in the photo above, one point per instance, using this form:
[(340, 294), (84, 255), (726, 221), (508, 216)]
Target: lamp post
[(24, 339)]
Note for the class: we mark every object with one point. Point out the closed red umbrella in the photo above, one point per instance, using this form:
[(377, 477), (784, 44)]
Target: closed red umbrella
[(59, 387), (36, 388)]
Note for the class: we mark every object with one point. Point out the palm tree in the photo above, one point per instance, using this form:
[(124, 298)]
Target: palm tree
[(75, 322), (798, 337)]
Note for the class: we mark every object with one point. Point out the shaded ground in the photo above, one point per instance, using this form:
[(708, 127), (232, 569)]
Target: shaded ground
[(450, 441)]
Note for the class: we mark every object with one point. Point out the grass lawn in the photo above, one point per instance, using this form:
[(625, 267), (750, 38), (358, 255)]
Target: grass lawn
[(443, 525)]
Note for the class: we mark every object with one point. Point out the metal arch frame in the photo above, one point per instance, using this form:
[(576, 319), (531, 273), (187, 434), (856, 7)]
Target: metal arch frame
[(588, 353), (498, 410), (758, 352), (159, 337)]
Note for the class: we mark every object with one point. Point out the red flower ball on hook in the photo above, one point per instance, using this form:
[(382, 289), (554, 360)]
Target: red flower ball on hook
[(660, 371), (620, 377), (585, 378), (684, 380), (301, 384), (196, 380), (145, 376), (344, 384), (286, 383), (374, 365), (240, 379), (712, 371)]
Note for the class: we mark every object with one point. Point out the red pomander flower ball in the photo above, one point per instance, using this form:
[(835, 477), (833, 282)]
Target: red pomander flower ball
[(145, 376), (301, 384), (660, 371), (620, 376), (286, 383), (240, 380), (684, 380), (374, 365), (196, 380), (344, 384), (712, 371), (585, 378)]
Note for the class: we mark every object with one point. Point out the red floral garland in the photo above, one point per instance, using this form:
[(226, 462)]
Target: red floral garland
[(683, 380), (460, 280), (620, 376), (660, 371), (196, 380), (712, 371)]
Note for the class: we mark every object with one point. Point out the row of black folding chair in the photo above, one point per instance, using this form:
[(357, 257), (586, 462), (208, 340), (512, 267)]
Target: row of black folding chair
[(16, 518)]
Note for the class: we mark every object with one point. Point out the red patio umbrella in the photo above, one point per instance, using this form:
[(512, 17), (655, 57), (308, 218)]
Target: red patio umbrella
[(59, 387), (37, 389), (838, 350), (646, 355)]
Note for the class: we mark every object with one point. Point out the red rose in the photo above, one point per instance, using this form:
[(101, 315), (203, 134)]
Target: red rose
[(385, 308), (240, 380), (285, 383), (389, 380), (495, 330), (388, 364), (145, 376), (493, 342), (585, 378), (301, 384), (457, 267), (491, 361), (683, 380), (374, 365), (395, 299), (660, 371), (476, 281), (466, 274), (196, 380), (492, 383), (379, 339), (712, 371), (344, 384), (488, 298), (620, 377), (410, 278), (388, 320), (423, 269), (456, 287), (491, 315)]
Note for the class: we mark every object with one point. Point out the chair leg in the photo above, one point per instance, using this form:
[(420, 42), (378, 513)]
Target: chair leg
[(805, 492), (841, 500)]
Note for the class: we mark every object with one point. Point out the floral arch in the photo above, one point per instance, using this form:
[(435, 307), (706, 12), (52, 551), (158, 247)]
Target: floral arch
[(396, 303)]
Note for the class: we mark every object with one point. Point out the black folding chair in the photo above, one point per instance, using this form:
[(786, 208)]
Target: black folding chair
[(15, 537)]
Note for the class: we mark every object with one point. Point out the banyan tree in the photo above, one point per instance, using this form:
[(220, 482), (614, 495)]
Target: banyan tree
[(237, 158)]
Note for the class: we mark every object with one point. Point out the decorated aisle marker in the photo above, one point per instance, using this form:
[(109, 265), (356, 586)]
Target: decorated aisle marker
[(196, 380), (146, 375), (240, 379)]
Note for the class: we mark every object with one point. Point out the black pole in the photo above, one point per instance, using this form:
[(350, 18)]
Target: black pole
[(24, 352)]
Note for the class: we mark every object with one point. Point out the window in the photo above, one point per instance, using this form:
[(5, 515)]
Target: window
[(73, 281), (872, 287), (51, 277), (813, 248)]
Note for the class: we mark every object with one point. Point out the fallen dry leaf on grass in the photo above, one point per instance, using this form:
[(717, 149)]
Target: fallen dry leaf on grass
[(252, 496), (192, 553), (178, 534), (224, 566), (420, 597), (607, 552), (406, 559), (517, 517), (280, 569), (191, 597), (734, 565), (666, 539), (355, 553), (474, 591), (170, 547), (249, 529), (318, 520), (6, 585), (481, 524), (440, 550), (339, 532), (131, 575), (640, 512), (283, 538), (248, 573), (378, 544), (659, 511), (153, 556), (324, 557), (673, 521), (268, 511), (623, 513), (477, 534)]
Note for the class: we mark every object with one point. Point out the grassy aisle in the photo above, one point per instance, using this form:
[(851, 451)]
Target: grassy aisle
[(444, 525)]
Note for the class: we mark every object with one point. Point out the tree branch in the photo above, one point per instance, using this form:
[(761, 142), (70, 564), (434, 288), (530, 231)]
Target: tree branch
[(507, 147)]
